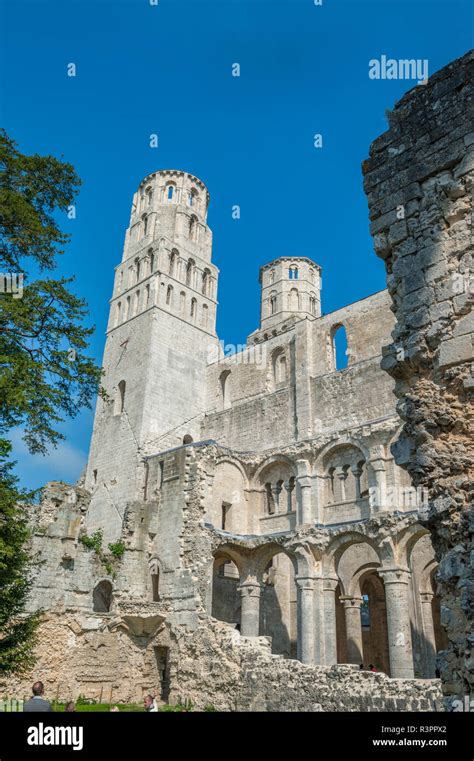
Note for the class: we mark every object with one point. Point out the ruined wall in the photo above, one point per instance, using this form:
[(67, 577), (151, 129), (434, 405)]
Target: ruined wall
[(85, 651), (247, 677), (261, 411), (418, 179)]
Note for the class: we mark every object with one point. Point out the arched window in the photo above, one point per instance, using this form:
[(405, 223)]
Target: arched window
[(170, 192), (271, 276), (193, 308), (206, 281), (102, 597), (182, 302), (190, 272), (147, 297), (117, 316), (205, 315), (279, 367), (293, 300), (127, 310), (173, 261), (339, 347), (119, 404), (137, 303), (346, 475), (149, 196), (192, 195), (169, 295), (225, 389), (151, 259), (137, 269), (273, 302), (293, 272), (312, 304), (193, 227)]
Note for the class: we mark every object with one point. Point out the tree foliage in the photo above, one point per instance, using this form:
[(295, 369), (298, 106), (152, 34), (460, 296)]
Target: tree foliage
[(45, 372)]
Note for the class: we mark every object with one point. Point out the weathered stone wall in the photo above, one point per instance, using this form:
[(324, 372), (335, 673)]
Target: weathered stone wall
[(84, 651), (260, 413), (419, 179), (247, 677)]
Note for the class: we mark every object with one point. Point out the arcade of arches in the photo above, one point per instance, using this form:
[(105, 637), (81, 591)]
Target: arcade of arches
[(353, 603)]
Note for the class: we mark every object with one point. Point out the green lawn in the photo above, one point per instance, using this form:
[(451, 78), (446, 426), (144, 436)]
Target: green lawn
[(100, 707)]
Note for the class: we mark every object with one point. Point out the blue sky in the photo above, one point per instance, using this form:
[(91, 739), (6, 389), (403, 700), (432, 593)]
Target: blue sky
[(166, 69)]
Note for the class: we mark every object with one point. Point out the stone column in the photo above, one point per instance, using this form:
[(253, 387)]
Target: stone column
[(396, 582), (319, 492), (341, 475), (379, 479), (355, 651), (250, 609), (304, 482), (357, 472), (278, 497), (429, 640), (305, 617), (330, 631)]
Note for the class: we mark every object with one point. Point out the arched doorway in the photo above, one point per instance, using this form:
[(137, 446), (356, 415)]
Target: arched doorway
[(374, 623), (102, 597), (278, 606), (226, 604)]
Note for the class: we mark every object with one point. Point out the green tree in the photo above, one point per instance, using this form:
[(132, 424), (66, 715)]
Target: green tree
[(17, 631), (45, 373)]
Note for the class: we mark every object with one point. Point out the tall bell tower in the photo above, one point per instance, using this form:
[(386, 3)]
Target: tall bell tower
[(290, 286), (160, 333)]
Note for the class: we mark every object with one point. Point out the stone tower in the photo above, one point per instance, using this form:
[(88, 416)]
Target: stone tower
[(160, 333), (290, 286)]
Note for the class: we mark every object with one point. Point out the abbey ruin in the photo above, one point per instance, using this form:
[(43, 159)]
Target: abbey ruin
[(264, 541)]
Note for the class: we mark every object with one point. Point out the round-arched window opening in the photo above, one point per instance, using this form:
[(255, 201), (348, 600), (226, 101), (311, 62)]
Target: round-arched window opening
[(188, 439), (102, 597)]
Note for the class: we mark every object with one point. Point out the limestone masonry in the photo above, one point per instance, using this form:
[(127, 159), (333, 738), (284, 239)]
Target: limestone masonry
[(261, 531), (426, 163)]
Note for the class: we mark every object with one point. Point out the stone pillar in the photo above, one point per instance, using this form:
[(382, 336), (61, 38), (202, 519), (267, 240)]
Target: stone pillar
[(250, 609), (279, 498), (378, 482), (305, 614), (341, 474), (429, 640), (396, 581), (319, 492), (357, 473), (304, 482), (330, 631), (355, 651)]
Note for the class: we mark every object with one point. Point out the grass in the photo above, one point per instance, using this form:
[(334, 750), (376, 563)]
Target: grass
[(101, 707)]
